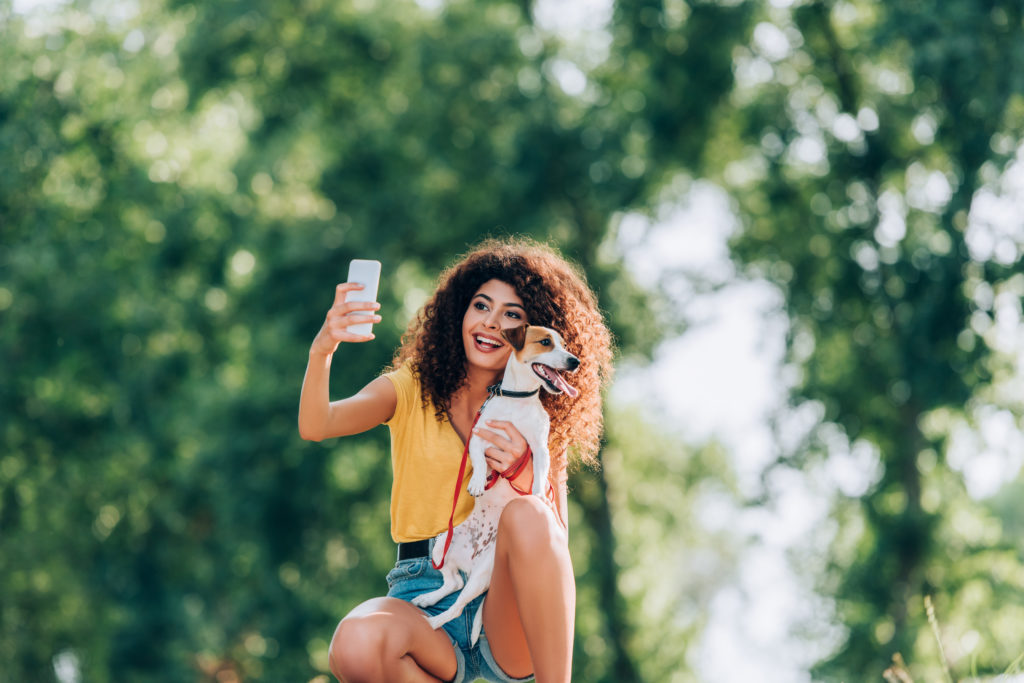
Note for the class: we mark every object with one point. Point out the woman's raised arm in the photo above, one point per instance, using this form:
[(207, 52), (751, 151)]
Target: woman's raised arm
[(319, 418)]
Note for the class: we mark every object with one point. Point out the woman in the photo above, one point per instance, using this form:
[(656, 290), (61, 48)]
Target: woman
[(450, 355)]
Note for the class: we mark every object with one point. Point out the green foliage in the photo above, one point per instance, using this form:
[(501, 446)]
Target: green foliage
[(180, 187), (843, 127)]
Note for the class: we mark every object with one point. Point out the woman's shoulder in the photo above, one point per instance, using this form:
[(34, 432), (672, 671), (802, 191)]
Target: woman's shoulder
[(406, 384), (403, 375)]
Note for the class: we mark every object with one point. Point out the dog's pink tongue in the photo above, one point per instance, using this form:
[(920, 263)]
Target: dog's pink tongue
[(560, 382)]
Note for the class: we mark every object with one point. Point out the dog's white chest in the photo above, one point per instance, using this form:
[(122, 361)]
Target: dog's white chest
[(526, 414)]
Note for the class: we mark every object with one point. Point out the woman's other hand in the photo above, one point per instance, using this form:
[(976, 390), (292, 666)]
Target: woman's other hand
[(507, 446)]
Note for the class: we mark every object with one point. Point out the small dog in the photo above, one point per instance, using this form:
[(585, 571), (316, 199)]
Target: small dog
[(538, 356)]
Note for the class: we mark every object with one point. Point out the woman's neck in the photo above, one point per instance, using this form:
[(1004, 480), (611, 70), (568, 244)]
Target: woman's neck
[(478, 381)]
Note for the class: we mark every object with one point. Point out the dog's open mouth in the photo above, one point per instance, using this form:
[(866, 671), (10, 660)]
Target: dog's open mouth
[(556, 384)]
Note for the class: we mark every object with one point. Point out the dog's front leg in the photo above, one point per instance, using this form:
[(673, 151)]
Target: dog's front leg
[(478, 482), (541, 463)]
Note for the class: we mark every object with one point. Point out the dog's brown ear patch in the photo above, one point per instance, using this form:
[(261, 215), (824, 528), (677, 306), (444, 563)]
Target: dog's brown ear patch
[(516, 336)]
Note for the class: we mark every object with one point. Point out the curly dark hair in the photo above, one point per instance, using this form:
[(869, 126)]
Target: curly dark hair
[(555, 294)]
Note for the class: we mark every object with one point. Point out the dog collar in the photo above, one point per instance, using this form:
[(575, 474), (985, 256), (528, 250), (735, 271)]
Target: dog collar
[(496, 390)]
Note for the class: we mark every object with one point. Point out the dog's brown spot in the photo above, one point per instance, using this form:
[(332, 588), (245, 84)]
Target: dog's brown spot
[(483, 538), (516, 336)]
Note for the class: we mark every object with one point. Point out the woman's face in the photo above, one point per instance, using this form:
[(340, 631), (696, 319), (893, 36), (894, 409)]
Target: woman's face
[(494, 307)]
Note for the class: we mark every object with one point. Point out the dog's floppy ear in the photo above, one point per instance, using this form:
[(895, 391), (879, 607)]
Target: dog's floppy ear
[(516, 336)]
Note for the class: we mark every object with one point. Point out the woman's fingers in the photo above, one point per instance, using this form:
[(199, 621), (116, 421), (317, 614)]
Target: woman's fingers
[(341, 306), (494, 438), (497, 459), (343, 314), (342, 290), (513, 439), (496, 455), (507, 444), (341, 323)]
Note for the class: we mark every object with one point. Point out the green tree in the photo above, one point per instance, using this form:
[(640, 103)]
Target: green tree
[(860, 136), (180, 186)]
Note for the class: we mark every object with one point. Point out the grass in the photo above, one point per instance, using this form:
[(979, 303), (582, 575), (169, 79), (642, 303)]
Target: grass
[(899, 673)]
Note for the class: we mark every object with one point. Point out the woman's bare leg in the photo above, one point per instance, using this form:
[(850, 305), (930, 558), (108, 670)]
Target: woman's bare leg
[(387, 640), (530, 609)]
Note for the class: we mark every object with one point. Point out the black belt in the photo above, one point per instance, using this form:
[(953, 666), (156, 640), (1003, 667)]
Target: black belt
[(414, 549)]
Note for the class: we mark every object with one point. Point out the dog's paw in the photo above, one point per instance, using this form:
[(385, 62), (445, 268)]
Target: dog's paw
[(477, 485), (424, 600), (439, 620)]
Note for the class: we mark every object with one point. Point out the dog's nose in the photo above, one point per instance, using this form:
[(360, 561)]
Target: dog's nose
[(573, 362)]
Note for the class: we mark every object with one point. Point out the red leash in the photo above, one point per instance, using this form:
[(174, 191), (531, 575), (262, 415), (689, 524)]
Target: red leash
[(458, 489)]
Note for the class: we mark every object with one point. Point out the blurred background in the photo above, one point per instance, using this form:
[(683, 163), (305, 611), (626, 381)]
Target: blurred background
[(804, 220)]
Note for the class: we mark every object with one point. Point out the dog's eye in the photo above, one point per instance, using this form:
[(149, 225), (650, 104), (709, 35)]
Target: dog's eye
[(545, 342)]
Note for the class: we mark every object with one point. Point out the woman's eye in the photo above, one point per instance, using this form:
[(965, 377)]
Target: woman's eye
[(513, 314), (480, 306)]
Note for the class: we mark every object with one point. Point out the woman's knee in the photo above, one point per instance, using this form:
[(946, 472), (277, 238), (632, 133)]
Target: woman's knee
[(528, 524), (355, 653)]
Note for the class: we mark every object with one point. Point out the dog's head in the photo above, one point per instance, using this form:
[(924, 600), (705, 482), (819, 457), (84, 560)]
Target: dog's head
[(543, 350)]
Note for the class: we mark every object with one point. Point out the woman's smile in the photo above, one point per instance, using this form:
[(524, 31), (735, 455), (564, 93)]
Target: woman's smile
[(487, 344)]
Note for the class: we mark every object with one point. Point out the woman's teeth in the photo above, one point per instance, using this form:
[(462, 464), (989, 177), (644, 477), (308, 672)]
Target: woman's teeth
[(490, 343)]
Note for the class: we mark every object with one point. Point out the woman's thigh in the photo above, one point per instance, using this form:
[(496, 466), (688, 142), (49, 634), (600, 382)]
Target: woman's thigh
[(387, 637)]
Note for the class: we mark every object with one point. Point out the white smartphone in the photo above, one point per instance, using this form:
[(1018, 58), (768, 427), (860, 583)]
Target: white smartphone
[(366, 273)]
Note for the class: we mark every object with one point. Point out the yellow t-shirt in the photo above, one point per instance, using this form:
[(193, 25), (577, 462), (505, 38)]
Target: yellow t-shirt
[(425, 458)]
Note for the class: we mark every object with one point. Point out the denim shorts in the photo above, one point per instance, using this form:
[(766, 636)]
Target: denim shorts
[(414, 577)]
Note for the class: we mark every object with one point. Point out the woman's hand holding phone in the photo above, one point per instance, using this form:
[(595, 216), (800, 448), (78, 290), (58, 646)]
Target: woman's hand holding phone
[(341, 315)]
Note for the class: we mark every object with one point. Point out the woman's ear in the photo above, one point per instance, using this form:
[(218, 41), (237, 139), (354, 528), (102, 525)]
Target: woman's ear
[(516, 336)]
